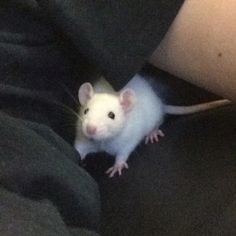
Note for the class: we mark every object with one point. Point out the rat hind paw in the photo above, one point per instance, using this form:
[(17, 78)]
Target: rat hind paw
[(118, 167), (153, 136)]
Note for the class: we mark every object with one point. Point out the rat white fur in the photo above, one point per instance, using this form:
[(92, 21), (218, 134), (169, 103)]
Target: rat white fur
[(117, 122), (137, 111)]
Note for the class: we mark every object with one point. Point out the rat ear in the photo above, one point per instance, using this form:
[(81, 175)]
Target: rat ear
[(85, 93), (127, 99)]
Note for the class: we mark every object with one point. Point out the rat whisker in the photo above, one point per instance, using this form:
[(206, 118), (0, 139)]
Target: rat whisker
[(69, 93), (71, 111), (68, 125)]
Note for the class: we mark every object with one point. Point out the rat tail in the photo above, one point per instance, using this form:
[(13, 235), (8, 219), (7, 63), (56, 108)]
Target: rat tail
[(185, 110)]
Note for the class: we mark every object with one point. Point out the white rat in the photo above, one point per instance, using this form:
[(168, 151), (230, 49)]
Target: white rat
[(116, 122)]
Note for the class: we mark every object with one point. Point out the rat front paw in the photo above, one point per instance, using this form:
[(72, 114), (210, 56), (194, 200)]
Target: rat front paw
[(118, 167)]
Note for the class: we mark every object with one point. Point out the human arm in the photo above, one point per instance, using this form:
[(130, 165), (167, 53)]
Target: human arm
[(200, 46)]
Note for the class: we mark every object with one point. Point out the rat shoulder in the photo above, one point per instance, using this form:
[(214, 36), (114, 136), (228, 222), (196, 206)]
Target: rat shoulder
[(139, 84), (103, 86), (147, 99)]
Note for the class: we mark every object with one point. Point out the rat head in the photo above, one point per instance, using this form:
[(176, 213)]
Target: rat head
[(104, 115)]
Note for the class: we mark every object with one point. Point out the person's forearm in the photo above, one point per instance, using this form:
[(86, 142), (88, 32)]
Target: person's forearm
[(200, 46)]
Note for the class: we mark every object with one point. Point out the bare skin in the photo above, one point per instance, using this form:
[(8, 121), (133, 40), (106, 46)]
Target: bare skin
[(200, 46)]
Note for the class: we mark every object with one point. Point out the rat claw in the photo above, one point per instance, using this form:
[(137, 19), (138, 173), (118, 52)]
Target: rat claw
[(111, 172), (154, 136), (118, 167), (160, 133)]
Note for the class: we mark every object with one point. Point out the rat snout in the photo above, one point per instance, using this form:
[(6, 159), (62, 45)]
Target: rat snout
[(91, 129)]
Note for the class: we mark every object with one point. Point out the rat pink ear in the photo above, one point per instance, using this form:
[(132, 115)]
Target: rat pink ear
[(127, 99), (85, 93)]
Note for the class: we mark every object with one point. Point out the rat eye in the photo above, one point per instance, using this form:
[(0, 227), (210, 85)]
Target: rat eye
[(111, 115), (86, 111)]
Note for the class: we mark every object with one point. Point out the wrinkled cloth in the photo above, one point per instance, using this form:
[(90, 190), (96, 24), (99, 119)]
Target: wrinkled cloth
[(47, 49)]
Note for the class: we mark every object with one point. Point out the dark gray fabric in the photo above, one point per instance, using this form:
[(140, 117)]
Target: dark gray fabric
[(40, 167), (47, 49), (116, 36), (185, 184), (21, 216)]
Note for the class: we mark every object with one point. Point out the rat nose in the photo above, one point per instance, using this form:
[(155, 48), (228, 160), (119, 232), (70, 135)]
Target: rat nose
[(91, 129)]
